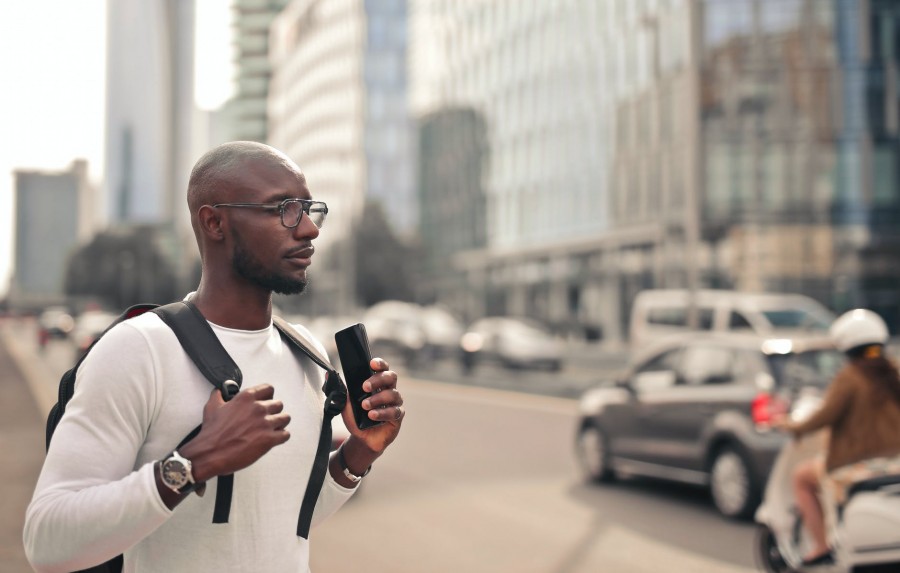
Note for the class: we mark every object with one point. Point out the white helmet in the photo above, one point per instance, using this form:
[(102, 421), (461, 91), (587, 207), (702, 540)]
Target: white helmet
[(857, 328)]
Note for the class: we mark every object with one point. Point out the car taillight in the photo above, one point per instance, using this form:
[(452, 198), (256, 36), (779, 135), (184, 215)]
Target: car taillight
[(767, 408)]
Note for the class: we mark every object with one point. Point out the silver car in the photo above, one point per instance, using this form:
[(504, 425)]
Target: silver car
[(510, 342), (698, 409)]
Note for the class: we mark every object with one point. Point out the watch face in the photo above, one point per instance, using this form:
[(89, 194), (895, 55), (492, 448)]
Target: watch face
[(174, 473)]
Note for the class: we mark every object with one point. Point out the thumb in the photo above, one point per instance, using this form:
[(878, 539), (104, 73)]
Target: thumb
[(214, 403)]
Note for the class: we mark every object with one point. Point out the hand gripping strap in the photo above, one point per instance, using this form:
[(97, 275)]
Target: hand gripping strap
[(335, 398), (203, 347)]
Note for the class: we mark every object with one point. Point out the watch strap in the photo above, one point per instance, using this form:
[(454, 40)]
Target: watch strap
[(350, 475)]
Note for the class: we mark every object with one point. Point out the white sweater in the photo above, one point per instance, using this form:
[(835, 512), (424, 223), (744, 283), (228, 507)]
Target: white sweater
[(136, 397)]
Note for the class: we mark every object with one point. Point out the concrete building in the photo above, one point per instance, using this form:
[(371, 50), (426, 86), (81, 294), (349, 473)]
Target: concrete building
[(150, 103), (247, 110), (671, 143), (338, 107), (53, 214)]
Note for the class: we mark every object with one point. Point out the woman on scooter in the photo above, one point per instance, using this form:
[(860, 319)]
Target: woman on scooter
[(862, 411)]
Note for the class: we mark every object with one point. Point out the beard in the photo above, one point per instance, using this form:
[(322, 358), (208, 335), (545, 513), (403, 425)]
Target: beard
[(249, 267)]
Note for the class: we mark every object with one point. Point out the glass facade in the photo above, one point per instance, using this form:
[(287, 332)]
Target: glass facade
[(799, 108), (337, 106), (746, 144)]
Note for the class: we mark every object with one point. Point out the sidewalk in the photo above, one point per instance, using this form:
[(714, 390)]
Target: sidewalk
[(22, 444)]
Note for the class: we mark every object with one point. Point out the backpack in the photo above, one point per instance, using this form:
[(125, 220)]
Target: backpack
[(203, 347)]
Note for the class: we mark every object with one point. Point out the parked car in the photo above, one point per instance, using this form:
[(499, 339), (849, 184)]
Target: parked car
[(395, 331), (510, 342), (657, 313), (89, 325), (442, 330), (55, 322), (698, 409)]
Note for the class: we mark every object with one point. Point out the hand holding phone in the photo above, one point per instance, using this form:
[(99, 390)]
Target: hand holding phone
[(353, 349)]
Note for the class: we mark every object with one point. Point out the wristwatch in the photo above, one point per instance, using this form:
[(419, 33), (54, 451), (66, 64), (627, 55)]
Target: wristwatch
[(175, 472), (350, 475)]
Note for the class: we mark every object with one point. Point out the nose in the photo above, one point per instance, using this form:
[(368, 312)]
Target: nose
[(305, 229)]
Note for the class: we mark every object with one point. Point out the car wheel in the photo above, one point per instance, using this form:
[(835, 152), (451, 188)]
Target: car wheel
[(593, 454), (731, 484), (768, 555)]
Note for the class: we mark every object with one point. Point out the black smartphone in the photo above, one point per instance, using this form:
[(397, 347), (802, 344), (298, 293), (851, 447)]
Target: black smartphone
[(353, 350)]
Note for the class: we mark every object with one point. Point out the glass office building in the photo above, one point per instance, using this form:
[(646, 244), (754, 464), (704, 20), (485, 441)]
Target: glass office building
[(337, 106), (799, 109), (747, 144)]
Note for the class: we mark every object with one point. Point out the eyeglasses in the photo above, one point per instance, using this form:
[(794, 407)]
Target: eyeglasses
[(291, 210)]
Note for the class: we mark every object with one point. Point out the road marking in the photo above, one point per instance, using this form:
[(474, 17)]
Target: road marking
[(475, 394)]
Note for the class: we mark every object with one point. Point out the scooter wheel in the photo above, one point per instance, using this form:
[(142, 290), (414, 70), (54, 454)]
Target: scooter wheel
[(768, 555)]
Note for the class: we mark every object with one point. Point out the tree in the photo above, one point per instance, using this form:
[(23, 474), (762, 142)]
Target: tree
[(384, 266), (122, 267)]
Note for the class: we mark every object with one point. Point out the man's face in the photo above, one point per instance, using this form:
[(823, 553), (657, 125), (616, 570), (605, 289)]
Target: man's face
[(247, 265), (265, 252)]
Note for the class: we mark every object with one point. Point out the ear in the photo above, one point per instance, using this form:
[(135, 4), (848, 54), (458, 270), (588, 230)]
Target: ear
[(211, 224)]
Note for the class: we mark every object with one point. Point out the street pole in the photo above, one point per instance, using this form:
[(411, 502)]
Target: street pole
[(695, 164)]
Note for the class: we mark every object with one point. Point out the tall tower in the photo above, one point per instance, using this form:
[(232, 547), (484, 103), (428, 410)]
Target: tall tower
[(150, 106), (247, 110)]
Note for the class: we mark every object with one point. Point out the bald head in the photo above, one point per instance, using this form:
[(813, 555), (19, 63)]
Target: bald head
[(219, 170), (235, 172)]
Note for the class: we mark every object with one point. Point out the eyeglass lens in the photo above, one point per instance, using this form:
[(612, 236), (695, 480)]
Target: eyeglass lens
[(293, 210)]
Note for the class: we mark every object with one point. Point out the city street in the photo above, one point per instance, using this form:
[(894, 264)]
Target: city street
[(480, 480)]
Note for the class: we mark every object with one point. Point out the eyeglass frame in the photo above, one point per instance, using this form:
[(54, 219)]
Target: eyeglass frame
[(305, 206)]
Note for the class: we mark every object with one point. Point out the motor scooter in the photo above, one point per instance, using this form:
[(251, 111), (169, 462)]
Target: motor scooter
[(863, 532)]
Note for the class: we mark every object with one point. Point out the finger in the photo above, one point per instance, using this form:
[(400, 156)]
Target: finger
[(215, 402), (381, 400), (378, 364), (381, 381), (280, 437), (388, 414), (260, 392), (271, 406), (278, 421)]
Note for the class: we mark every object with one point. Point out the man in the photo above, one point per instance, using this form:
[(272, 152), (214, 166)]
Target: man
[(102, 492)]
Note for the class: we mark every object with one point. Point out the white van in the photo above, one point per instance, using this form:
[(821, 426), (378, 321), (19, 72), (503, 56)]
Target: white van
[(659, 313)]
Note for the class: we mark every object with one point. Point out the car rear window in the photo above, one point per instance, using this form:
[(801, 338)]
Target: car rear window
[(811, 368)]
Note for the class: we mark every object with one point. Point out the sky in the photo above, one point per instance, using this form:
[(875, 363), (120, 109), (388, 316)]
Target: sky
[(52, 61)]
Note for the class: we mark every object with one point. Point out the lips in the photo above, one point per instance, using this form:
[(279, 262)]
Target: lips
[(301, 256)]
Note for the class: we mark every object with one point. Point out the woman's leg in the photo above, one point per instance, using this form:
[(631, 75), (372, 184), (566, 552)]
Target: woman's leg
[(806, 495)]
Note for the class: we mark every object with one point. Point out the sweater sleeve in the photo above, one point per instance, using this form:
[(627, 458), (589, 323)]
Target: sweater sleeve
[(837, 401), (332, 497), (90, 503)]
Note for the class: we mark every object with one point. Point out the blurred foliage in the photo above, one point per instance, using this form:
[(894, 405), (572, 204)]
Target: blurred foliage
[(385, 266), (122, 267)]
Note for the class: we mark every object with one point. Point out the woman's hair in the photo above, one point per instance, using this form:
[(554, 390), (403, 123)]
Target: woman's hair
[(878, 368)]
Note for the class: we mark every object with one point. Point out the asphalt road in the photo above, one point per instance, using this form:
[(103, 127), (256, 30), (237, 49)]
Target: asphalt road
[(480, 480), (484, 481)]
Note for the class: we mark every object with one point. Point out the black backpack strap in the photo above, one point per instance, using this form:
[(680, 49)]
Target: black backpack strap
[(202, 345), (206, 351), (335, 398)]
